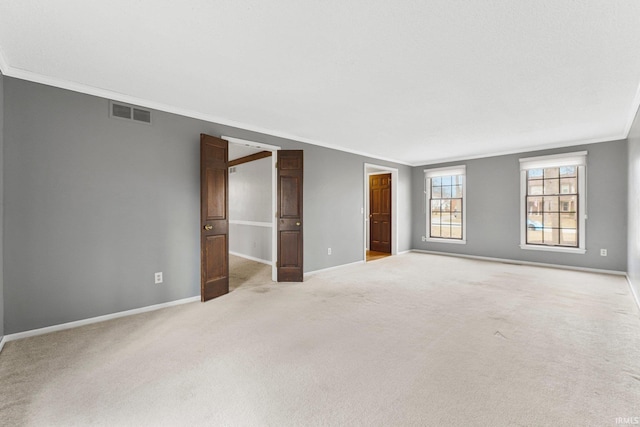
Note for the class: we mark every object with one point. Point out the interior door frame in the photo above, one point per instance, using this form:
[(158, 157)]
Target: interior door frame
[(274, 195), (373, 169)]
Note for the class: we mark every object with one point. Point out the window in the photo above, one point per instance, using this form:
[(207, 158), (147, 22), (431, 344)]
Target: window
[(553, 202), (445, 194)]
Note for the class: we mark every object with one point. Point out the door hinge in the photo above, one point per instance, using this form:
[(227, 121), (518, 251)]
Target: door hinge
[(276, 165), (276, 264)]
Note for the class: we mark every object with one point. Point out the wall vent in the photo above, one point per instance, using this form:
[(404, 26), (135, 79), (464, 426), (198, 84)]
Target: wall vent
[(129, 112)]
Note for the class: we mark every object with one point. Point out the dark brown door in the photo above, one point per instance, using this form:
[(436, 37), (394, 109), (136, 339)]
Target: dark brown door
[(380, 213), (290, 174), (214, 213)]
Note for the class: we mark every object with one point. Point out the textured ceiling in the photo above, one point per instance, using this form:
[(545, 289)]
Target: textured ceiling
[(412, 81)]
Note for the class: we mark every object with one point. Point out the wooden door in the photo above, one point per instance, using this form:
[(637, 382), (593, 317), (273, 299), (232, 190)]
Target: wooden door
[(290, 254), (380, 213), (214, 214)]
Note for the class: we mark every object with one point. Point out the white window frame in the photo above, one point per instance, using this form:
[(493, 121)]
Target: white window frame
[(578, 159), (460, 170)]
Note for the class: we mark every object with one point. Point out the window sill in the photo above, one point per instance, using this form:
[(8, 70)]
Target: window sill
[(436, 240), (553, 249)]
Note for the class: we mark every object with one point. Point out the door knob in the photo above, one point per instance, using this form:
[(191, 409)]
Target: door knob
[(208, 227), (297, 223)]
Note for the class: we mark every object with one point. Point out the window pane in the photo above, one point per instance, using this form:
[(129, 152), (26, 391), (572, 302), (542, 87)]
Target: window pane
[(569, 237), (552, 172), (568, 203), (445, 206), (436, 192), (456, 210), (534, 173), (568, 185), (551, 186), (569, 220), (551, 220), (534, 205), (435, 211), (534, 222), (535, 187), (551, 236), (551, 204), (456, 231), (534, 236)]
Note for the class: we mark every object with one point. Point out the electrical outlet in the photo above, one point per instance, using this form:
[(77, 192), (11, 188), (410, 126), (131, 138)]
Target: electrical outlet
[(329, 251), (603, 252), (158, 277)]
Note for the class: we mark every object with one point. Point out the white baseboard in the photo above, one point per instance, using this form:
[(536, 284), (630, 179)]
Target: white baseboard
[(633, 291), (518, 262), (83, 322), (311, 273), (263, 261)]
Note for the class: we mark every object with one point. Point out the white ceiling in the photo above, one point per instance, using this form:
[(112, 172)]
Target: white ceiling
[(411, 81)]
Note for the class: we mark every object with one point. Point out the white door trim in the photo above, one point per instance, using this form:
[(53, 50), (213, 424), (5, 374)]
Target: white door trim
[(274, 196), (373, 169)]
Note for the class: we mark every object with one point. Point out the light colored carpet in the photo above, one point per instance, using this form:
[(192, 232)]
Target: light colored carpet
[(407, 340), (244, 273)]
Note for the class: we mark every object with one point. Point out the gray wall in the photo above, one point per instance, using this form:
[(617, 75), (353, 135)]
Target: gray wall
[(1, 205), (493, 209), (633, 228), (94, 206), (250, 199), (333, 202)]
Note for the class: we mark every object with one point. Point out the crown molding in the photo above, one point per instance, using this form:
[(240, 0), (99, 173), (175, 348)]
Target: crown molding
[(522, 150), (9, 71), (116, 96)]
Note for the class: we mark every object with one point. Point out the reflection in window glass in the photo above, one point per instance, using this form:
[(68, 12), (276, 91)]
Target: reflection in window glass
[(446, 203), (552, 206)]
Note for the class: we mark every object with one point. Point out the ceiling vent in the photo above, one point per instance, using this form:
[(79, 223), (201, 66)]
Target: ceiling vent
[(129, 112)]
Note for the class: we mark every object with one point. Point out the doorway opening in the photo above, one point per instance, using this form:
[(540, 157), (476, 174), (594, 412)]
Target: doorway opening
[(380, 220), (252, 207)]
